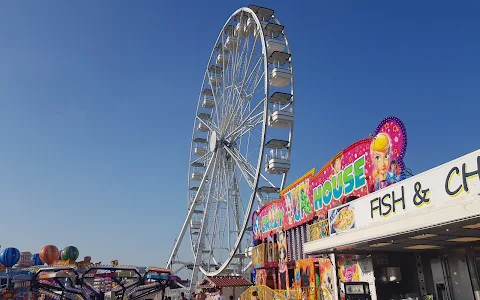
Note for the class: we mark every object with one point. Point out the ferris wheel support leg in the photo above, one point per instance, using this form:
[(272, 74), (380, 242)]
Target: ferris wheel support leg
[(178, 241), (201, 236)]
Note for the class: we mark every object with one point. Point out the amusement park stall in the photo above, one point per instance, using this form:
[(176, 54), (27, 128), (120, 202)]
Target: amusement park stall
[(304, 211), (225, 285), (416, 239)]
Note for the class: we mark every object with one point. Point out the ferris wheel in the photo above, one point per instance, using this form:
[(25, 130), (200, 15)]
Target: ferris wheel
[(241, 140)]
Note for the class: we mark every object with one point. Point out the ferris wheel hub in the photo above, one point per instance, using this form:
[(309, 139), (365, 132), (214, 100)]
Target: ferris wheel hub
[(213, 141)]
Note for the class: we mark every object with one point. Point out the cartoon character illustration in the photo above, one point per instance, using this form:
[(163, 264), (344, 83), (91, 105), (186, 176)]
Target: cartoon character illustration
[(326, 279), (289, 207), (305, 205), (271, 252), (273, 217), (395, 171), (256, 227), (337, 165), (282, 246), (380, 150), (295, 204)]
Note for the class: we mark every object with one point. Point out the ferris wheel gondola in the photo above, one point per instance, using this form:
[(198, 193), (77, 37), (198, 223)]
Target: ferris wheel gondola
[(241, 140)]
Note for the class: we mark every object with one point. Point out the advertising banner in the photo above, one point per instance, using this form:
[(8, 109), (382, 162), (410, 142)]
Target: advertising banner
[(341, 218), (318, 230), (269, 219), (434, 188), (365, 167), (298, 204)]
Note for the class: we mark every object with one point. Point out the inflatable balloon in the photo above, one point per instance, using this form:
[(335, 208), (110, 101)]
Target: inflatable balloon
[(9, 257), (49, 254), (37, 261), (70, 253), (60, 254)]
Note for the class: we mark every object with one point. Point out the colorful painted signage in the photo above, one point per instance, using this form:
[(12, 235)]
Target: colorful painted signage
[(318, 230), (298, 203), (364, 167), (433, 189), (327, 279), (282, 247), (269, 219), (341, 218)]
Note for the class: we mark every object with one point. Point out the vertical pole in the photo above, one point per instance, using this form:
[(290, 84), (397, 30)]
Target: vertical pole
[(421, 275), (297, 242), (335, 273), (288, 234), (8, 278), (472, 270)]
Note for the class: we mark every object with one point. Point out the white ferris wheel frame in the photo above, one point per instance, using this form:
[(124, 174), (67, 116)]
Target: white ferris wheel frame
[(197, 265)]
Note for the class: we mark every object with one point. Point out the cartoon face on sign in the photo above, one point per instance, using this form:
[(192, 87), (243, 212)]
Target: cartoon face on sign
[(289, 207), (337, 165), (387, 148), (282, 246), (256, 226)]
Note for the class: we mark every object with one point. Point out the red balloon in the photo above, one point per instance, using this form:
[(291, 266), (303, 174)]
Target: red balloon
[(49, 254)]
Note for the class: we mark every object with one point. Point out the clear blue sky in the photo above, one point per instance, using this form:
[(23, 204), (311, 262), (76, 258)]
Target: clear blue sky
[(97, 100)]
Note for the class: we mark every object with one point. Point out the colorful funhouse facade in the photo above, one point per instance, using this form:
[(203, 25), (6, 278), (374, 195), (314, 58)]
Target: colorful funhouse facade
[(360, 229), (316, 206)]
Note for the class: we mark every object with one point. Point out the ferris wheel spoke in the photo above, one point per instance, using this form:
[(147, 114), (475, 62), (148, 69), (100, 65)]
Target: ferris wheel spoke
[(217, 186), (235, 207), (200, 242), (242, 123), (238, 71), (242, 108), (249, 165), (243, 82), (244, 100), (203, 157), (230, 97), (209, 125), (255, 83), (218, 217), (244, 169), (254, 73), (250, 122), (247, 174)]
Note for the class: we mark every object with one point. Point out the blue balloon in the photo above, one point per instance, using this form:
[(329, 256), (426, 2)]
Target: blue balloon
[(37, 261), (9, 257)]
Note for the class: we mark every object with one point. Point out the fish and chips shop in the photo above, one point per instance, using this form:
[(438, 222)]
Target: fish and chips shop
[(418, 238)]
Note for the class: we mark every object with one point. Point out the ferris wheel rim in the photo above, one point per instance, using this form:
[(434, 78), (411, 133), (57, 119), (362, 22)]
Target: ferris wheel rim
[(259, 160), (258, 168)]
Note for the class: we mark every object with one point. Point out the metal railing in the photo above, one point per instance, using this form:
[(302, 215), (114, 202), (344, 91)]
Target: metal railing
[(264, 293)]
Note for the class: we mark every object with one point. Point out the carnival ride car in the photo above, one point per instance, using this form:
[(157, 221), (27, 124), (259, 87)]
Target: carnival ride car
[(25, 276), (72, 283)]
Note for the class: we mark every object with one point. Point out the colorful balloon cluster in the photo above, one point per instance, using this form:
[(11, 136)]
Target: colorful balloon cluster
[(49, 255)]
